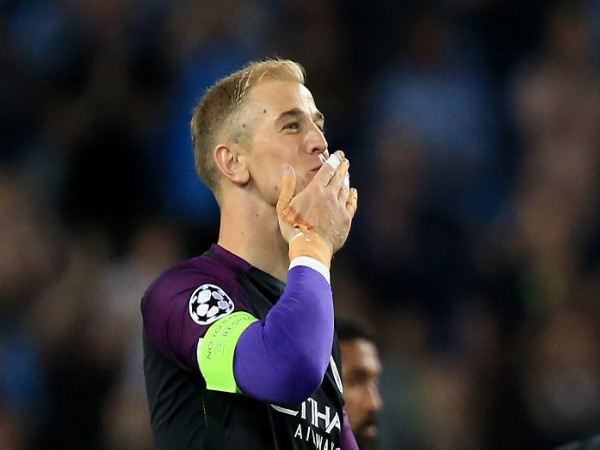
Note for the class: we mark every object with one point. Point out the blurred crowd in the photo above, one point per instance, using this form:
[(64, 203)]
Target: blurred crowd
[(473, 127)]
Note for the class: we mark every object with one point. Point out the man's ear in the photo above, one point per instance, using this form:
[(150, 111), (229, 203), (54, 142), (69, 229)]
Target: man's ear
[(232, 163)]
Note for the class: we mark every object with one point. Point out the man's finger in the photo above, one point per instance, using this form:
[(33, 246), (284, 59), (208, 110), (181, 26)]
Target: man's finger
[(288, 188), (328, 169), (337, 181), (345, 189), (352, 202)]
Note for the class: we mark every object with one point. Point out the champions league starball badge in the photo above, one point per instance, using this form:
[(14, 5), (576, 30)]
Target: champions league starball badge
[(209, 303)]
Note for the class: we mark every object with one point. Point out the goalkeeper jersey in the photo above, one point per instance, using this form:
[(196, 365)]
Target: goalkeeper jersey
[(178, 310)]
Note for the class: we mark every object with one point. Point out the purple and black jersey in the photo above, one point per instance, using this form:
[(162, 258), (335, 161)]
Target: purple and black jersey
[(179, 309)]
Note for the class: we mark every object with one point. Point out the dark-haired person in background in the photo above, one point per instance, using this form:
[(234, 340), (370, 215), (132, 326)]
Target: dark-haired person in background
[(361, 369)]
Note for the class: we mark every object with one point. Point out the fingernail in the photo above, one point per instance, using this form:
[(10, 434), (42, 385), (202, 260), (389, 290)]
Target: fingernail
[(286, 169)]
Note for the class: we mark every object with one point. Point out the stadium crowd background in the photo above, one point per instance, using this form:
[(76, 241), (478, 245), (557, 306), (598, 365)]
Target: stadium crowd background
[(473, 127)]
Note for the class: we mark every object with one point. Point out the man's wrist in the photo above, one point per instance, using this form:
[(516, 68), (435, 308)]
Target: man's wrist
[(307, 261), (311, 244)]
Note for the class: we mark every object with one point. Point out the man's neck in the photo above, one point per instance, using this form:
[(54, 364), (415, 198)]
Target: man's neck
[(252, 233)]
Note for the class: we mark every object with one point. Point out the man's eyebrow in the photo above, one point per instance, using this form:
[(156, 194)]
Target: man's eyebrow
[(297, 112), (318, 116), (360, 372)]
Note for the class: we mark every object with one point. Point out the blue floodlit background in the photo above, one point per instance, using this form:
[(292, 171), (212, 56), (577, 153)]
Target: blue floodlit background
[(473, 127)]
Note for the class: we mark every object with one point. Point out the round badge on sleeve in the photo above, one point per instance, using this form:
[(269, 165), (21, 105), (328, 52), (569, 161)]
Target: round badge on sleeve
[(208, 304)]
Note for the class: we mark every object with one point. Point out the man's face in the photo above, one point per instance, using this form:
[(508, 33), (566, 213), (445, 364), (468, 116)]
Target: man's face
[(286, 127), (361, 370)]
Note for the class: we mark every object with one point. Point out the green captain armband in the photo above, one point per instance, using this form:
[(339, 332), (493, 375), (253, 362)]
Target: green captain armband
[(216, 350)]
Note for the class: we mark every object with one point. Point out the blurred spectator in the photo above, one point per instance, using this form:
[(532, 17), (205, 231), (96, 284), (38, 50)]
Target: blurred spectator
[(361, 370), (89, 323), (125, 418), (416, 255), (27, 260), (450, 417), (78, 370), (431, 186), (557, 109), (560, 377), (438, 92)]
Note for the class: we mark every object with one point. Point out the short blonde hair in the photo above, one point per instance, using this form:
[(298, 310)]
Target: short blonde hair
[(219, 106)]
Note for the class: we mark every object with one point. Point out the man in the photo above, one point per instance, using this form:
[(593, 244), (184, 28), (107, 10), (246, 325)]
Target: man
[(361, 369), (239, 342)]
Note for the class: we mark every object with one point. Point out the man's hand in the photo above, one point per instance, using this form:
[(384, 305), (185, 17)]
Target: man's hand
[(317, 220)]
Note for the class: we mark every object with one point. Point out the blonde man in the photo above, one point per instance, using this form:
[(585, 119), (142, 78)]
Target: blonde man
[(239, 342)]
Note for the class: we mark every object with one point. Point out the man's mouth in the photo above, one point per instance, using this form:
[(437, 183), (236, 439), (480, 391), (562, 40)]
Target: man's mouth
[(369, 427)]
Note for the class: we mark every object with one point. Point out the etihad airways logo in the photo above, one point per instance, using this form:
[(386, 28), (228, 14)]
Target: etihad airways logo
[(321, 418), (309, 411)]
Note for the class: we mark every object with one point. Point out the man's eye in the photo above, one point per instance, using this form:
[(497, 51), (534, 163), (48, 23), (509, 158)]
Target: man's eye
[(292, 126)]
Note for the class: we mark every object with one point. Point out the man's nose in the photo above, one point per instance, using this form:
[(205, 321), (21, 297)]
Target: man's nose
[(374, 398), (316, 142)]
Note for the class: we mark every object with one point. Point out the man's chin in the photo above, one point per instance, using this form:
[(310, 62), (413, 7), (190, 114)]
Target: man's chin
[(367, 442), (367, 439)]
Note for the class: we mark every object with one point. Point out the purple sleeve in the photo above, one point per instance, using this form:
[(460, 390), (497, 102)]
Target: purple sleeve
[(166, 313), (283, 358), (348, 439)]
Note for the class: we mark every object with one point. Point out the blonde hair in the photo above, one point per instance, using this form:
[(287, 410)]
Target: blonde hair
[(217, 110)]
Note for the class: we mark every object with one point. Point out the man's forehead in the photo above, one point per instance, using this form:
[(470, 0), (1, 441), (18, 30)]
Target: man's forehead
[(360, 353), (277, 96)]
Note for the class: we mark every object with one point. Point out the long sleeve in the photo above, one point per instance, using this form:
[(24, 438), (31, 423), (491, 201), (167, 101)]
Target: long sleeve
[(283, 358)]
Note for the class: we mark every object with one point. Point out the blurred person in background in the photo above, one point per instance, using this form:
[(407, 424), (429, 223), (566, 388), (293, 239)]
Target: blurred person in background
[(154, 247), (556, 101), (560, 379), (239, 342), (361, 369), (433, 127), (28, 260), (78, 369)]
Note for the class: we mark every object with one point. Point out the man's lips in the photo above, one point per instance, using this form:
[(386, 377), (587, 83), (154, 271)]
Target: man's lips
[(368, 427), (322, 159), (370, 430)]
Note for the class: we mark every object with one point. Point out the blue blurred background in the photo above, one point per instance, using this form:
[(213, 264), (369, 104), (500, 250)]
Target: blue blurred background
[(473, 127)]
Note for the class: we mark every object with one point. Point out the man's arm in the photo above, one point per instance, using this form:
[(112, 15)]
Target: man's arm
[(283, 358)]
